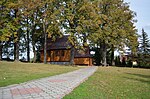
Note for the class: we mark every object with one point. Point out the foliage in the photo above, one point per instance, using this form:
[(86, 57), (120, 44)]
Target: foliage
[(115, 27), (144, 43), (102, 24), (143, 60), (23, 21), (97, 57), (117, 61), (143, 55)]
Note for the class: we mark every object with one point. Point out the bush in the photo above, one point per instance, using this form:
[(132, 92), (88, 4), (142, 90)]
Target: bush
[(117, 61), (129, 63)]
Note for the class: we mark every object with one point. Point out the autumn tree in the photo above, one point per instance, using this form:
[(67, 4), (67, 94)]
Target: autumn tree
[(69, 21), (9, 24), (4, 34), (15, 13), (116, 27), (32, 25), (50, 21), (73, 19), (105, 24)]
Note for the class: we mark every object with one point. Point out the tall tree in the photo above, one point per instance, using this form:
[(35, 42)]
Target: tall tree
[(16, 39), (50, 22), (69, 16), (3, 19), (15, 13), (108, 24), (144, 50), (116, 27), (75, 20), (8, 22), (30, 11), (145, 43)]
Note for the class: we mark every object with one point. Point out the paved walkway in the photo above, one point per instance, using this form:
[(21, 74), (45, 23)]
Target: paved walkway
[(54, 87)]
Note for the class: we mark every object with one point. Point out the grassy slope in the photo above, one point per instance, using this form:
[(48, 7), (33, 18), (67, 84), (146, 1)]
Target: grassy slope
[(13, 73), (115, 83)]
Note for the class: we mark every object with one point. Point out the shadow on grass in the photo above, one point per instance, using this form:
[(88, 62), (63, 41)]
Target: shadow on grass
[(139, 77)]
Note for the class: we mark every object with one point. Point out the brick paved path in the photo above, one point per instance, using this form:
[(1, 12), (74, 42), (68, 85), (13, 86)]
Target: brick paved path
[(54, 87)]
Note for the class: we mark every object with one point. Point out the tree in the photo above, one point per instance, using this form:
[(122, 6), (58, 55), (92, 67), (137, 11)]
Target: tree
[(105, 24), (50, 20), (143, 50), (15, 19), (3, 19), (31, 20), (38, 17), (144, 43), (115, 28), (8, 24), (76, 23)]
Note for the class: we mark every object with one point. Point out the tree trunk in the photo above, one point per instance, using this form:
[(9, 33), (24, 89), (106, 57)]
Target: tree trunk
[(104, 57), (45, 44), (28, 44), (16, 43), (72, 56), (104, 52), (16, 51), (1, 50), (34, 51), (112, 56), (45, 49)]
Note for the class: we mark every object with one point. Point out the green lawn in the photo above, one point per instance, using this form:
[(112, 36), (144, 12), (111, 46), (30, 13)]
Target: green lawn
[(115, 83), (13, 73)]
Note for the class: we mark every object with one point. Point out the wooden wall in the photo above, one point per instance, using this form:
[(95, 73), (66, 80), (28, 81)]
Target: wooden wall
[(57, 55), (83, 61), (64, 56), (42, 57), (60, 55)]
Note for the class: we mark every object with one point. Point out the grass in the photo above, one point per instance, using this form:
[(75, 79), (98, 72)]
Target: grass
[(114, 83), (14, 73)]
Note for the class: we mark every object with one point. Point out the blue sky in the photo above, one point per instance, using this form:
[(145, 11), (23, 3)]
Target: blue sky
[(142, 8)]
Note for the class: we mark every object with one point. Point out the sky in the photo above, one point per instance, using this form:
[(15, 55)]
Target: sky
[(142, 9)]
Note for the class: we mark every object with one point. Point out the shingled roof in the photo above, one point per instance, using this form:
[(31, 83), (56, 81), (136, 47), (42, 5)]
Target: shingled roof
[(63, 43), (59, 43)]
